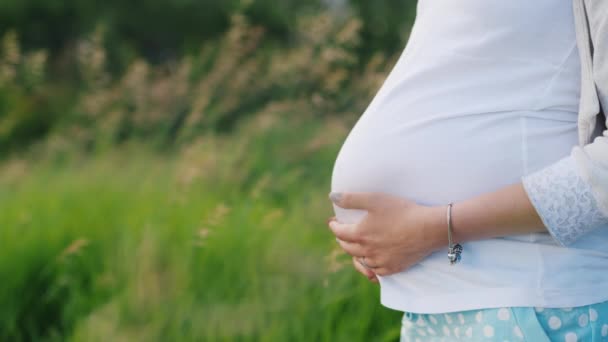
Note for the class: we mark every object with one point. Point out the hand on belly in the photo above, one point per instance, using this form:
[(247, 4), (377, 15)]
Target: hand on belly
[(395, 234)]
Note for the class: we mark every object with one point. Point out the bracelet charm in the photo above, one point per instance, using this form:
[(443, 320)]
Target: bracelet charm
[(454, 253)]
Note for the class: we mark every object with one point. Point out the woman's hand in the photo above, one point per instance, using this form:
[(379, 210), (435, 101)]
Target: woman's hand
[(358, 266), (395, 234)]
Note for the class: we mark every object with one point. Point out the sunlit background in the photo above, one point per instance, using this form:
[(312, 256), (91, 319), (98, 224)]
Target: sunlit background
[(165, 165)]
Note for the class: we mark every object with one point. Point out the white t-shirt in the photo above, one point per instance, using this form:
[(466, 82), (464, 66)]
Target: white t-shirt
[(485, 92)]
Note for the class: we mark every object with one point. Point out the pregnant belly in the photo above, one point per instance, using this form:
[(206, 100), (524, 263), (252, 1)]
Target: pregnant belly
[(437, 162)]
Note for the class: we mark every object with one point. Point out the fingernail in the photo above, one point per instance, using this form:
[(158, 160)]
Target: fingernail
[(335, 196)]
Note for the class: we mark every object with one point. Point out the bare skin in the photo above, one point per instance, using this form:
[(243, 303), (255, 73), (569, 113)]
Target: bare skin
[(397, 233)]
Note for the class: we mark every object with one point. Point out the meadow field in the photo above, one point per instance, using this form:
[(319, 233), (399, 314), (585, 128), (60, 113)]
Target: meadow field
[(225, 241), (183, 199)]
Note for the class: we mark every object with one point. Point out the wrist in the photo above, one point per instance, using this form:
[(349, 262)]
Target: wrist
[(436, 229)]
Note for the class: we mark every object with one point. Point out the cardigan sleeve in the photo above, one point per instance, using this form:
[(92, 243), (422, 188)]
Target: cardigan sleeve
[(564, 201), (571, 196)]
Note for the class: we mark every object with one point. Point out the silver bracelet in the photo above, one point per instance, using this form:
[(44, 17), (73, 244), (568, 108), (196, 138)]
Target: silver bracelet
[(454, 250)]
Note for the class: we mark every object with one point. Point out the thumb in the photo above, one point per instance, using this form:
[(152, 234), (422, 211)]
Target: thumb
[(355, 200)]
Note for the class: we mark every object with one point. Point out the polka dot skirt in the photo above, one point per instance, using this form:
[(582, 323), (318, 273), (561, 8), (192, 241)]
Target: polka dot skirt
[(579, 324)]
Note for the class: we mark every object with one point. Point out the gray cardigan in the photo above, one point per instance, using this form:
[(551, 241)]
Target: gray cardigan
[(571, 196)]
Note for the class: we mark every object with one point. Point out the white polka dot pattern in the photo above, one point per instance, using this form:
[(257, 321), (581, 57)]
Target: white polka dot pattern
[(461, 318), (555, 323), (592, 315), (469, 332), (571, 337), (583, 320), (517, 332), (571, 324), (488, 331), (503, 314), (420, 321)]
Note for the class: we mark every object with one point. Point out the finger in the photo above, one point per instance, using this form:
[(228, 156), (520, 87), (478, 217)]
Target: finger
[(344, 231), (333, 218), (356, 200), (353, 249), (366, 272), (371, 264), (383, 271)]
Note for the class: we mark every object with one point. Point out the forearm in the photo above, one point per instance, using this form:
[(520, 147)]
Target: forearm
[(507, 211)]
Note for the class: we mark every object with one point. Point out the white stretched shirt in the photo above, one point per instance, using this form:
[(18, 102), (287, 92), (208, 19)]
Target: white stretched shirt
[(485, 92)]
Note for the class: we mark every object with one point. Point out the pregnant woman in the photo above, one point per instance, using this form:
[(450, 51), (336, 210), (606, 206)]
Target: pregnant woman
[(485, 143)]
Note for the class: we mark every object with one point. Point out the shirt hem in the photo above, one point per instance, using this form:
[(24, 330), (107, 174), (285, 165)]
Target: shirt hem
[(490, 298)]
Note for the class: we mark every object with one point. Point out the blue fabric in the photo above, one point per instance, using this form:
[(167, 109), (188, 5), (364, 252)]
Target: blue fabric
[(579, 324)]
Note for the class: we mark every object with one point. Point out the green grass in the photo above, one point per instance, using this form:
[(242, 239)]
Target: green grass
[(224, 241)]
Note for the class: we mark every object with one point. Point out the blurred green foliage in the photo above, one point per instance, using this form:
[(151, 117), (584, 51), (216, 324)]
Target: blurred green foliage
[(385, 24), (155, 29), (213, 126), (57, 57), (160, 29), (223, 241)]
